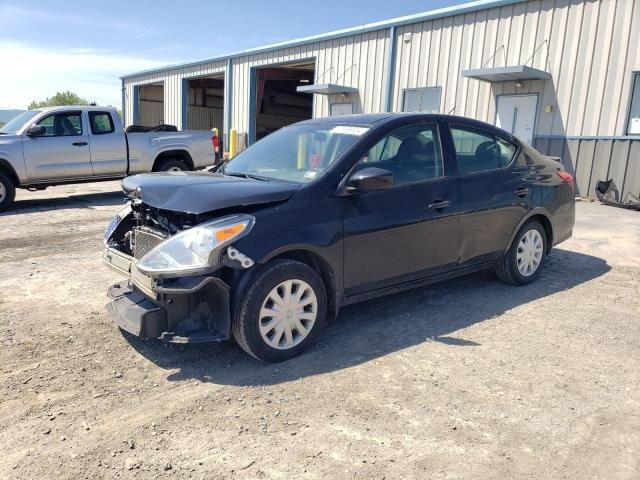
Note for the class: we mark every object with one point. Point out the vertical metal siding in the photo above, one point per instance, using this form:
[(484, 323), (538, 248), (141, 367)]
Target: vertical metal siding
[(588, 47), (356, 60)]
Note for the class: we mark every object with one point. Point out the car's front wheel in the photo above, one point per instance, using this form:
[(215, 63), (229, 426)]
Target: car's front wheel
[(7, 191), (282, 311), (523, 262)]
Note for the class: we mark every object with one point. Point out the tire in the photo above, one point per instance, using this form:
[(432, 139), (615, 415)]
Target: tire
[(7, 191), (508, 270), (270, 344), (172, 165)]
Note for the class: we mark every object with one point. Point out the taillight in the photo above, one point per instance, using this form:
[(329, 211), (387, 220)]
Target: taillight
[(566, 178)]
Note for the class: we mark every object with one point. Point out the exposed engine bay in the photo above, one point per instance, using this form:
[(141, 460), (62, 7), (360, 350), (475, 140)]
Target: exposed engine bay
[(146, 227)]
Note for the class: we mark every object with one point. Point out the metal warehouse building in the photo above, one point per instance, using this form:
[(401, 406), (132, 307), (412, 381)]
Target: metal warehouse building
[(561, 74)]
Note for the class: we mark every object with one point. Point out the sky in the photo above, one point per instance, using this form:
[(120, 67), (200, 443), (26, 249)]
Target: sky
[(85, 46)]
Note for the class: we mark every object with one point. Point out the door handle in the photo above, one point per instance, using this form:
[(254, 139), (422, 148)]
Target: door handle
[(440, 205), (79, 144), (521, 192)]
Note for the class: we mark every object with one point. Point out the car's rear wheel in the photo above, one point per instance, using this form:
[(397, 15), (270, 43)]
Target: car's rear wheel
[(525, 259), (172, 165), (282, 311), (7, 191)]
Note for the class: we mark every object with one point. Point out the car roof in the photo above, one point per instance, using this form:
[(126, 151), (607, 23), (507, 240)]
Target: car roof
[(73, 107), (377, 119)]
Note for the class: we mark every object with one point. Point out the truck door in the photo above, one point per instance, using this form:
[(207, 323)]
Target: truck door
[(62, 151), (108, 145)]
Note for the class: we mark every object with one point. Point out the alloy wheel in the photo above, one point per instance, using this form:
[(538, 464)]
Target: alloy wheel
[(3, 192)]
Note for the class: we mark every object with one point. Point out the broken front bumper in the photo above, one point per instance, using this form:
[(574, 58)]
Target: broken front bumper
[(182, 310)]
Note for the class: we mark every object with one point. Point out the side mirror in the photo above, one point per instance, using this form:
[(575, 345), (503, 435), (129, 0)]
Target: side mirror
[(369, 179), (36, 131)]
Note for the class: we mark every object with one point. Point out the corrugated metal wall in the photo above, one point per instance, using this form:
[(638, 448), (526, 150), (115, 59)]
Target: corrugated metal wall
[(204, 118), (590, 47), (172, 81), (357, 61), (601, 159)]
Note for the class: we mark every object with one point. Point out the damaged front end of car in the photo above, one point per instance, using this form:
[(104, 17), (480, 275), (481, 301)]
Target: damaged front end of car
[(175, 264)]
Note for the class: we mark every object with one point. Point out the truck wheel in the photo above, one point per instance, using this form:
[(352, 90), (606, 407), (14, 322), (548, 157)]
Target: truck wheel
[(523, 262), (7, 191), (172, 165), (282, 311)]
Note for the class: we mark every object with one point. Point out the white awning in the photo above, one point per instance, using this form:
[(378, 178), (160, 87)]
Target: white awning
[(506, 74), (326, 89)]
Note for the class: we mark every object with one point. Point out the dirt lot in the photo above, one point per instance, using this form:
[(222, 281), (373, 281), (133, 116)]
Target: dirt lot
[(466, 379)]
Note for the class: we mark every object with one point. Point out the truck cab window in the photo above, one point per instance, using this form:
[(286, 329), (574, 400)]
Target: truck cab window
[(101, 123), (62, 125)]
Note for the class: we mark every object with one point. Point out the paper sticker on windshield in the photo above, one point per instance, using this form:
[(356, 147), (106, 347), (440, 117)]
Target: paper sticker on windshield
[(310, 174), (349, 130)]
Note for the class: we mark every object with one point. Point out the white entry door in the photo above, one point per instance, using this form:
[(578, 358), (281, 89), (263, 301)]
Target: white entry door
[(517, 114)]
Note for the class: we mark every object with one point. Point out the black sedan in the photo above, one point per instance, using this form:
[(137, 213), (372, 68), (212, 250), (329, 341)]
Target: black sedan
[(326, 213)]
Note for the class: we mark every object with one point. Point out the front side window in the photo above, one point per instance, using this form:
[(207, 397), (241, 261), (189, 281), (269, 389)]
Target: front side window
[(411, 154), (633, 122), (101, 123), (479, 151), (62, 125), (299, 153)]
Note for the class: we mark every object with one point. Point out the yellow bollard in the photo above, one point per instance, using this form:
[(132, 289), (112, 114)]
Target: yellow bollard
[(302, 151), (233, 142)]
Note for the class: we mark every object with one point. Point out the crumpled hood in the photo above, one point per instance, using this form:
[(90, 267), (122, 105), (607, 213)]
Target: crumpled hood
[(202, 192)]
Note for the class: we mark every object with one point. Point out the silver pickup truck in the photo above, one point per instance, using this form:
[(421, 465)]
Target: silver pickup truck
[(58, 145)]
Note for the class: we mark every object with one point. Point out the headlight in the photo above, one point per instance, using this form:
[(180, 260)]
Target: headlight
[(115, 221), (196, 250)]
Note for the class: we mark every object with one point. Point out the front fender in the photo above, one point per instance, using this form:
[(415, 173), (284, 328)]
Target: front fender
[(12, 158)]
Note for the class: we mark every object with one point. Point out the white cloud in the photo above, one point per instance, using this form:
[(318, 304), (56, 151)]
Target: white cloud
[(28, 73)]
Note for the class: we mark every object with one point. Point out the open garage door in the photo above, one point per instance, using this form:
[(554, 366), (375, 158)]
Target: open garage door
[(150, 105), (277, 102), (205, 107)]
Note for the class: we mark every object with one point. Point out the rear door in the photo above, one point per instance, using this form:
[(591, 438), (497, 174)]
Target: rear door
[(495, 192), (410, 230), (108, 145), (62, 152)]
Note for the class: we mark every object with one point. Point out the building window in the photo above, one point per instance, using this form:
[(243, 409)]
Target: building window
[(425, 99), (633, 122)]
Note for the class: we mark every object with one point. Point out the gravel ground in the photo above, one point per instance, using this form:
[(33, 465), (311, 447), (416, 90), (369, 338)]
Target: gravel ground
[(465, 379)]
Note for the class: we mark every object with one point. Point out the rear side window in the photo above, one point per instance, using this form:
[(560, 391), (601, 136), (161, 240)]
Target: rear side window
[(478, 151), (101, 123)]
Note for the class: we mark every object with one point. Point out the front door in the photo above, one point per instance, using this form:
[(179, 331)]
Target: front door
[(517, 115), (410, 230), (62, 151)]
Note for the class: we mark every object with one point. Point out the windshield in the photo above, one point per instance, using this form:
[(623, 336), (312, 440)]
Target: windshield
[(299, 153), (18, 122)]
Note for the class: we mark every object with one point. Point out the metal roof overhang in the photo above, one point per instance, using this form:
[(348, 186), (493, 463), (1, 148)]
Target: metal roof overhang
[(506, 74), (326, 89)]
